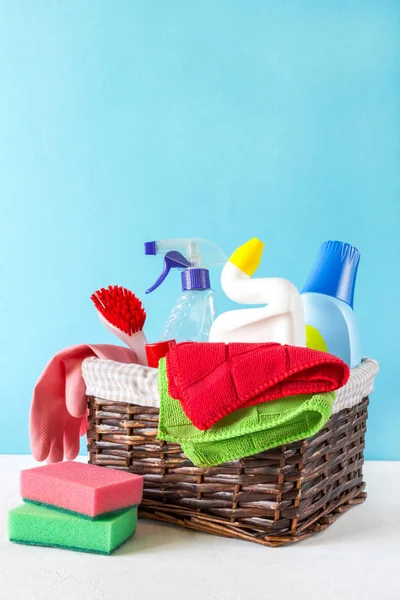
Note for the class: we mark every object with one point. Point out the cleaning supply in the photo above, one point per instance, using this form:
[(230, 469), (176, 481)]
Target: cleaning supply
[(119, 382), (359, 386), (328, 299), (194, 312), (122, 313), (245, 432), (155, 352), (136, 384), (59, 403), (213, 380), (280, 321), (81, 488), (41, 526)]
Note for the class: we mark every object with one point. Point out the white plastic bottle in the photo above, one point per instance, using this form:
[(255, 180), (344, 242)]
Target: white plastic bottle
[(281, 320)]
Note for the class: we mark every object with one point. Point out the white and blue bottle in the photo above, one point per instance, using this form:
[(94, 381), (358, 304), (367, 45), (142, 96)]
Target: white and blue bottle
[(328, 298)]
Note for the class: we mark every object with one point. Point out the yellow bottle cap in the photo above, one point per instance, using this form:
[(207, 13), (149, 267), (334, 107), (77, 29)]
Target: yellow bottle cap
[(247, 257)]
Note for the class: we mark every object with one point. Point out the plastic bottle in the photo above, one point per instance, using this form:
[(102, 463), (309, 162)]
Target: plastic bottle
[(194, 311), (280, 321), (328, 298)]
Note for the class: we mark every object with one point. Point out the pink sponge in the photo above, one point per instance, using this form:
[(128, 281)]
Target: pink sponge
[(81, 488)]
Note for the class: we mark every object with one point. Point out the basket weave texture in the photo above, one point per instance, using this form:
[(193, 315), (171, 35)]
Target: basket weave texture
[(279, 496)]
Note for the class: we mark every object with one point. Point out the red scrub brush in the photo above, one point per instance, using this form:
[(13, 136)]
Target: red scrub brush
[(123, 314)]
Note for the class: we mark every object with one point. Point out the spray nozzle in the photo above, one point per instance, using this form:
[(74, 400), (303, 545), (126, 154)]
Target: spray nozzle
[(199, 252), (172, 260), (194, 259)]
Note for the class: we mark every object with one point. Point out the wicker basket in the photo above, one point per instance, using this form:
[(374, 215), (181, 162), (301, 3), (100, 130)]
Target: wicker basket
[(279, 496)]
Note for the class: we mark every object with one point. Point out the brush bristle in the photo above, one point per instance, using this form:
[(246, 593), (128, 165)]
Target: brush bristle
[(120, 307)]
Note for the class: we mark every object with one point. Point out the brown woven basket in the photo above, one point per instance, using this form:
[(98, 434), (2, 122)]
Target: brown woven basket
[(279, 496)]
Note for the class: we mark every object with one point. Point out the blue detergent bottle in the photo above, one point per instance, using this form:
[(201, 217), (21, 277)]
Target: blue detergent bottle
[(328, 298)]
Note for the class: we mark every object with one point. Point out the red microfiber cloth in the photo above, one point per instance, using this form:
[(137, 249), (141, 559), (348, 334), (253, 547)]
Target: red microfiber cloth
[(212, 380)]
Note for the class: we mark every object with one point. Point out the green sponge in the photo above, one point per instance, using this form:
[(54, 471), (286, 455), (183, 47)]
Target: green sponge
[(41, 526)]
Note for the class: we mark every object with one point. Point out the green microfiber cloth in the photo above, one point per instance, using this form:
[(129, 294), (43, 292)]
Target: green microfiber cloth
[(40, 526), (244, 432)]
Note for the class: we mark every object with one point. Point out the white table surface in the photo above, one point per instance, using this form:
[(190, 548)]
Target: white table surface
[(357, 558)]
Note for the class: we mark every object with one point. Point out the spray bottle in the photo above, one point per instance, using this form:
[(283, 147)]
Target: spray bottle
[(194, 311)]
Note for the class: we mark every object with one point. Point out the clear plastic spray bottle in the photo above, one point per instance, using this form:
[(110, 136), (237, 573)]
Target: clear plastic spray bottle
[(194, 311)]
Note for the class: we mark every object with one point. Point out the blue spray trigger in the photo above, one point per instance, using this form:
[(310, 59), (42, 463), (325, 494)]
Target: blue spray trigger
[(172, 260)]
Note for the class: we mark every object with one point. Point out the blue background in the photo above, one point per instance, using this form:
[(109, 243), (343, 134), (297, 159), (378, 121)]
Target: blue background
[(127, 121)]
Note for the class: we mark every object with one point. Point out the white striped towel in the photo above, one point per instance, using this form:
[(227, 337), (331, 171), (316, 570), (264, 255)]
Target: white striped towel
[(136, 384), (359, 385), (121, 382)]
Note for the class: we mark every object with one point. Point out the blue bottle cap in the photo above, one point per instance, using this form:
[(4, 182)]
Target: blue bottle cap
[(195, 279), (334, 272), (150, 248)]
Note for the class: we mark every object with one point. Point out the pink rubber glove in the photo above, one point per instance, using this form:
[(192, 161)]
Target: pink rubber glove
[(58, 414)]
